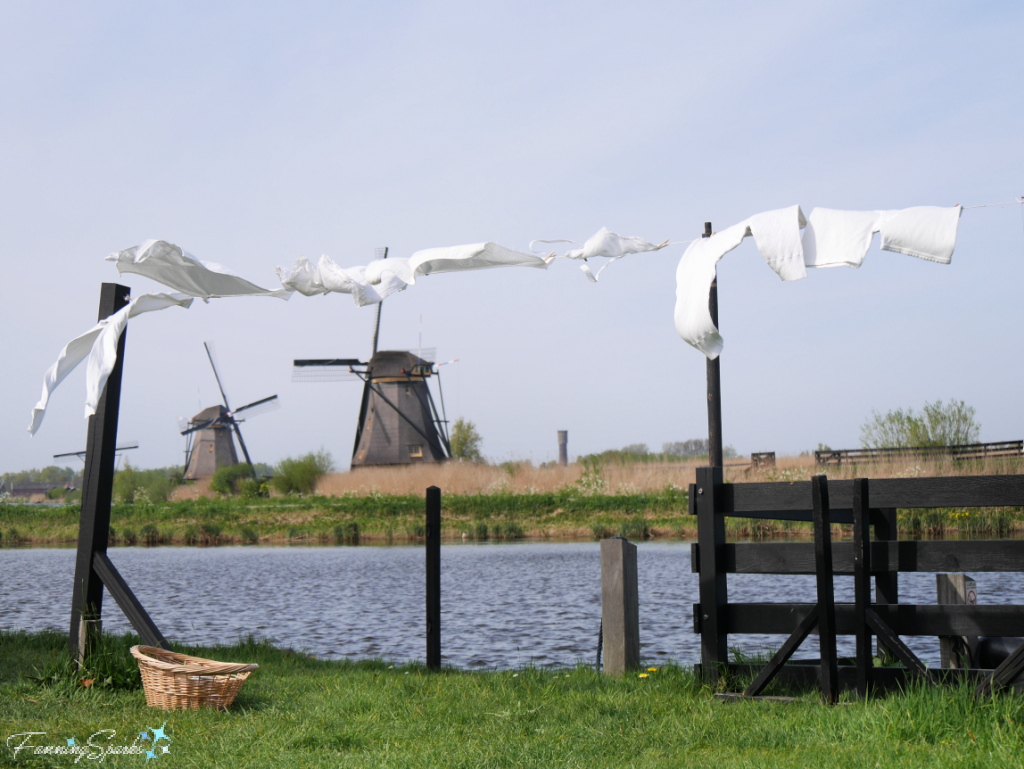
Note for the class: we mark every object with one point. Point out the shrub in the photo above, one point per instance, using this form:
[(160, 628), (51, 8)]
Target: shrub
[(150, 535), (250, 488), (347, 533), (466, 441), (951, 424), (210, 534), (250, 536), (481, 531), (192, 536), (228, 480), (635, 529), (148, 485), (301, 475), (128, 537)]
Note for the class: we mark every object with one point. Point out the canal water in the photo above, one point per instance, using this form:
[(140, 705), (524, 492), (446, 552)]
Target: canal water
[(502, 606)]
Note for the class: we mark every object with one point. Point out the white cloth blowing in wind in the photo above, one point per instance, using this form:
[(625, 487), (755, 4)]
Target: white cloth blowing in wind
[(604, 243), (831, 239), (100, 345), (168, 264), (380, 278)]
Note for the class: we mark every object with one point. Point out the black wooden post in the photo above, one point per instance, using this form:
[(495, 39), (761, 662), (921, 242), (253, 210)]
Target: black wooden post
[(433, 537), (886, 584), (829, 677), (714, 594), (714, 375), (97, 487), (862, 582)]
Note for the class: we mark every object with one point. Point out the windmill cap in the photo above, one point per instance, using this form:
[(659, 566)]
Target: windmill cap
[(388, 363)]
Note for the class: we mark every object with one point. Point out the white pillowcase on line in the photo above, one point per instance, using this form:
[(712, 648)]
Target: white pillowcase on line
[(831, 239)]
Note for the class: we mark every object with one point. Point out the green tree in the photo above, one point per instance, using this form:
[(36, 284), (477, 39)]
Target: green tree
[(466, 441), (938, 424), (301, 475)]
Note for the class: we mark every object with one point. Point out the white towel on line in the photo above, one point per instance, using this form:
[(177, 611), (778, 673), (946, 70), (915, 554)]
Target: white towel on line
[(831, 239), (842, 238), (100, 345), (168, 264), (383, 277), (777, 234)]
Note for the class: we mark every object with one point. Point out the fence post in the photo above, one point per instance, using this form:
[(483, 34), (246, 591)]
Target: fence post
[(620, 606), (433, 541), (887, 583), (862, 582), (97, 488), (714, 594), (829, 676), (956, 652)]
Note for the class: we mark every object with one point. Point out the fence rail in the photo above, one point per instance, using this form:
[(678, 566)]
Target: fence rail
[(965, 451)]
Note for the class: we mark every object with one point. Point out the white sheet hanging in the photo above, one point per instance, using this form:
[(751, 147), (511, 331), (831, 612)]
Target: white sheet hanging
[(832, 239), (842, 238), (777, 234), (383, 277), (168, 264), (100, 345)]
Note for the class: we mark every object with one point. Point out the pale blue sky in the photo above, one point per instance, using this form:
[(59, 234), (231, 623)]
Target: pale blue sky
[(251, 134)]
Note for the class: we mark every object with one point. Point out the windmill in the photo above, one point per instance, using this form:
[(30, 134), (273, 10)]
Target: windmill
[(208, 434), (398, 421)]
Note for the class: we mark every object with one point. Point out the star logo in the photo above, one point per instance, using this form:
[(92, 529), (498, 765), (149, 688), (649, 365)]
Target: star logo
[(71, 742), (158, 734), (150, 754), (144, 735)]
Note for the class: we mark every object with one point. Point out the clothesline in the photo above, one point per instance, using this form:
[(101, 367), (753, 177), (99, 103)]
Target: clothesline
[(1017, 201), (828, 239)]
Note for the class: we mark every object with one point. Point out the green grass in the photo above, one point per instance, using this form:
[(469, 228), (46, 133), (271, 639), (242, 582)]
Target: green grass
[(297, 711)]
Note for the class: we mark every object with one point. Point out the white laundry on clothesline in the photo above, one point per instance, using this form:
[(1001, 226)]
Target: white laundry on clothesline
[(383, 277), (168, 264), (604, 243), (831, 239), (842, 238), (100, 345)]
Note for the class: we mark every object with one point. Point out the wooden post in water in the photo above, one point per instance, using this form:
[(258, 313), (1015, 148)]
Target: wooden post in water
[(97, 488), (433, 537), (620, 606), (956, 652)]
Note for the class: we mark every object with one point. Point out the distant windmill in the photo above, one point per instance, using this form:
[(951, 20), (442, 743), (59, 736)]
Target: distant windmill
[(208, 434), (398, 421)]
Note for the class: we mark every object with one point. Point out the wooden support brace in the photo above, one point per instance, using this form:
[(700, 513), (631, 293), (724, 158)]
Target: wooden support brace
[(829, 676), (125, 598), (1002, 676), (896, 645), (783, 654)]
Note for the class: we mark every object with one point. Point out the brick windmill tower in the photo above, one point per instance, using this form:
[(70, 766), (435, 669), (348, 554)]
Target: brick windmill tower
[(398, 421)]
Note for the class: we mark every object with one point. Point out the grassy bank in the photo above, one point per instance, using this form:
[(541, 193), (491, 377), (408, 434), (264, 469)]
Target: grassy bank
[(486, 502), (297, 711), (386, 519)]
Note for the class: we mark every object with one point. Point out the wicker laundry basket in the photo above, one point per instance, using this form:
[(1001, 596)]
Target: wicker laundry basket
[(180, 682)]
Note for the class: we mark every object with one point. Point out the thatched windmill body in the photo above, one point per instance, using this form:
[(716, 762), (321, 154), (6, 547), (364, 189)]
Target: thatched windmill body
[(399, 423)]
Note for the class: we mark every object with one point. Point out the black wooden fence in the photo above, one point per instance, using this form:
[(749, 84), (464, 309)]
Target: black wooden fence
[(964, 451), (863, 503)]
